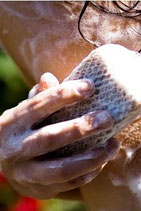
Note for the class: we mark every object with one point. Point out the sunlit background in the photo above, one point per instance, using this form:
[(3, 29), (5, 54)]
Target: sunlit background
[(12, 91)]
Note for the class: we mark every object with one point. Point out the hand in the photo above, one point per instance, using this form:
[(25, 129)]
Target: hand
[(20, 145)]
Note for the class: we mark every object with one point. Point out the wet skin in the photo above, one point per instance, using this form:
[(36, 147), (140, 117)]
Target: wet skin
[(43, 37)]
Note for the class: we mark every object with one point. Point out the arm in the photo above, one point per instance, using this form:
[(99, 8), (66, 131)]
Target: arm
[(40, 43), (36, 50)]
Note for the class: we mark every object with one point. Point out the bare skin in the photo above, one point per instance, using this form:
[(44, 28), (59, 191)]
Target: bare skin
[(47, 40), (20, 145)]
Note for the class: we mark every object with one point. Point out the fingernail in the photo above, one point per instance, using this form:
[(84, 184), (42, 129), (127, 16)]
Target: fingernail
[(102, 120), (86, 87), (48, 80), (33, 91)]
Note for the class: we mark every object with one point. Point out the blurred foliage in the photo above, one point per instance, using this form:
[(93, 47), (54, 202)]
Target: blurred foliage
[(12, 87), (60, 205), (13, 90)]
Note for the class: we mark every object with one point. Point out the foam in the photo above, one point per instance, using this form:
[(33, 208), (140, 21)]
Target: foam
[(116, 181), (134, 185)]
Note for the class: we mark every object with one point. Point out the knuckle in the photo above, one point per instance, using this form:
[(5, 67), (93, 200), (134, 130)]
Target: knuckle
[(89, 120), (84, 125), (60, 91), (10, 155), (11, 148), (48, 138), (4, 118), (6, 112), (68, 90), (78, 129)]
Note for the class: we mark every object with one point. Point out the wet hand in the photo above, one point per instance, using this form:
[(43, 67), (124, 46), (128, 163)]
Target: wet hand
[(20, 145)]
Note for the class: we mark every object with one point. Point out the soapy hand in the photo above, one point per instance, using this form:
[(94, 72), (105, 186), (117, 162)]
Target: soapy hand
[(22, 144)]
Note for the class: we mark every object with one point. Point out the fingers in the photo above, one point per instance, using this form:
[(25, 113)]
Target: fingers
[(47, 139), (44, 191), (53, 99), (34, 179), (39, 191), (64, 169), (55, 136), (77, 182), (47, 81)]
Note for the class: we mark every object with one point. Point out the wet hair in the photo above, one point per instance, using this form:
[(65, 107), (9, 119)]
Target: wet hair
[(121, 9)]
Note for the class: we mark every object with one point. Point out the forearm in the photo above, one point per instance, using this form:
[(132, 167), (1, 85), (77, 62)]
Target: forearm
[(40, 44)]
